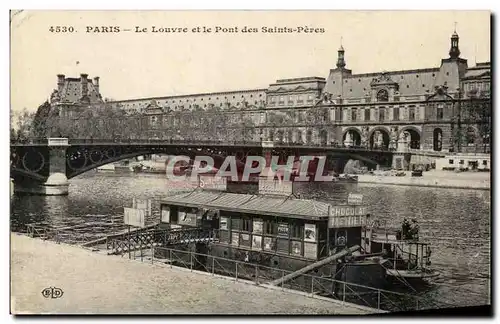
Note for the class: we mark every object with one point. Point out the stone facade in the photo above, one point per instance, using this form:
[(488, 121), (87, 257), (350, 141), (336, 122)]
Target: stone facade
[(431, 107)]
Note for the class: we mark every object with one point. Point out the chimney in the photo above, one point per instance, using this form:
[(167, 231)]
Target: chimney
[(83, 81), (60, 82), (96, 84)]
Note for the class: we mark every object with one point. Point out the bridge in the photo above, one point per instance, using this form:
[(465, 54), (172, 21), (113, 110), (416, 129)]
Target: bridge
[(43, 166)]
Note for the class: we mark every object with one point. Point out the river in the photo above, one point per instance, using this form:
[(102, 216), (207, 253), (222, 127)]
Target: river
[(455, 221)]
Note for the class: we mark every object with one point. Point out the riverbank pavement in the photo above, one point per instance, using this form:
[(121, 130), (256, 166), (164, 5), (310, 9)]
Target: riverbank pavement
[(433, 178), (94, 283)]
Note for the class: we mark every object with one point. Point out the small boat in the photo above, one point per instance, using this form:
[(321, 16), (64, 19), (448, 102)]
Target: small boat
[(404, 258), (106, 168), (347, 178), (416, 173)]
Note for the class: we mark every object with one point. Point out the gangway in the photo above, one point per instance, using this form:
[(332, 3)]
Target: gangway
[(159, 238)]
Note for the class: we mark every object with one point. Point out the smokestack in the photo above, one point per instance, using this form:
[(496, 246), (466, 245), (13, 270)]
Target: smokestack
[(96, 84), (60, 82), (83, 81)]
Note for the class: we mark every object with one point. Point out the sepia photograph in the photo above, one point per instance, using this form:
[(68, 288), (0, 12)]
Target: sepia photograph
[(257, 162)]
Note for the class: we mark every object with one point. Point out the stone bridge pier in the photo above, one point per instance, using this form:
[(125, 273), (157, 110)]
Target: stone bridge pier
[(54, 162)]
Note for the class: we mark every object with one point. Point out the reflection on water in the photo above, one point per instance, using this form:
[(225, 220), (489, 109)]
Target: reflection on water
[(456, 222)]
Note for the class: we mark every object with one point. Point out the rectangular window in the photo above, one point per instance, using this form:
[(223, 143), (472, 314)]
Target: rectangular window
[(337, 114), (269, 227), (296, 230), (235, 223), (381, 114), (411, 113), (485, 162), (367, 113), (154, 120), (395, 113), (300, 99), (309, 98), (440, 112), (283, 245), (354, 114), (451, 161), (461, 162), (246, 225)]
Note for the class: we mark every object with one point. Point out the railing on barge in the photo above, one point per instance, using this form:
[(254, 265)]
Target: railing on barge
[(306, 284)]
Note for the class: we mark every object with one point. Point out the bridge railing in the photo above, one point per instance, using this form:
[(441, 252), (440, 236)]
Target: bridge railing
[(29, 141), (276, 144)]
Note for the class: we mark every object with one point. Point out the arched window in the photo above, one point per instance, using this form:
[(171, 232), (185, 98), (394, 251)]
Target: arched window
[(437, 139), (382, 95)]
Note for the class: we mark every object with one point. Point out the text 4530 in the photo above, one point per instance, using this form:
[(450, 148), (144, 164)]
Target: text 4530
[(61, 29)]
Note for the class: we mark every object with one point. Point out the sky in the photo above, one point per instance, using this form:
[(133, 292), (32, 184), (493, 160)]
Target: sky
[(136, 65)]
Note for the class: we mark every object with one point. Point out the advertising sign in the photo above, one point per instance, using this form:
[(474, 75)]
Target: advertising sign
[(310, 232), (223, 223), (257, 242), (347, 221), (337, 211), (134, 217), (269, 244), (275, 187), (165, 214), (144, 204), (257, 226), (354, 199), (310, 250), (296, 248), (212, 182), (283, 229), (189, 219), (235, 239), (245, 239)]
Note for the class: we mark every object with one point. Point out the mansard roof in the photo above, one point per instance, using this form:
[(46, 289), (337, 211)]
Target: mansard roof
[(72, 91)]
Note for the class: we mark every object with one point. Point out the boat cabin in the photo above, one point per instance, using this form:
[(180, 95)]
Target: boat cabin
[(273, 224)]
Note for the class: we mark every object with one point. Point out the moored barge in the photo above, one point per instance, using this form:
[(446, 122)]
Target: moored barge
[(282, 233)]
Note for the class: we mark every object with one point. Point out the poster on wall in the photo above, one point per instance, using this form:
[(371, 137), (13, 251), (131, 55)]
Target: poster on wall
[(188, 219), (257, 226), (296, 248), (269, 244), (310, 250), (245, 239), (257, 242), (223, 223), (235, 239), (165, 214), (310, 232), (283, 229)]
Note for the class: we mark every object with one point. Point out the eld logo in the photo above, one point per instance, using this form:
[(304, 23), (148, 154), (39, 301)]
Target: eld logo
[(52, 292)]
